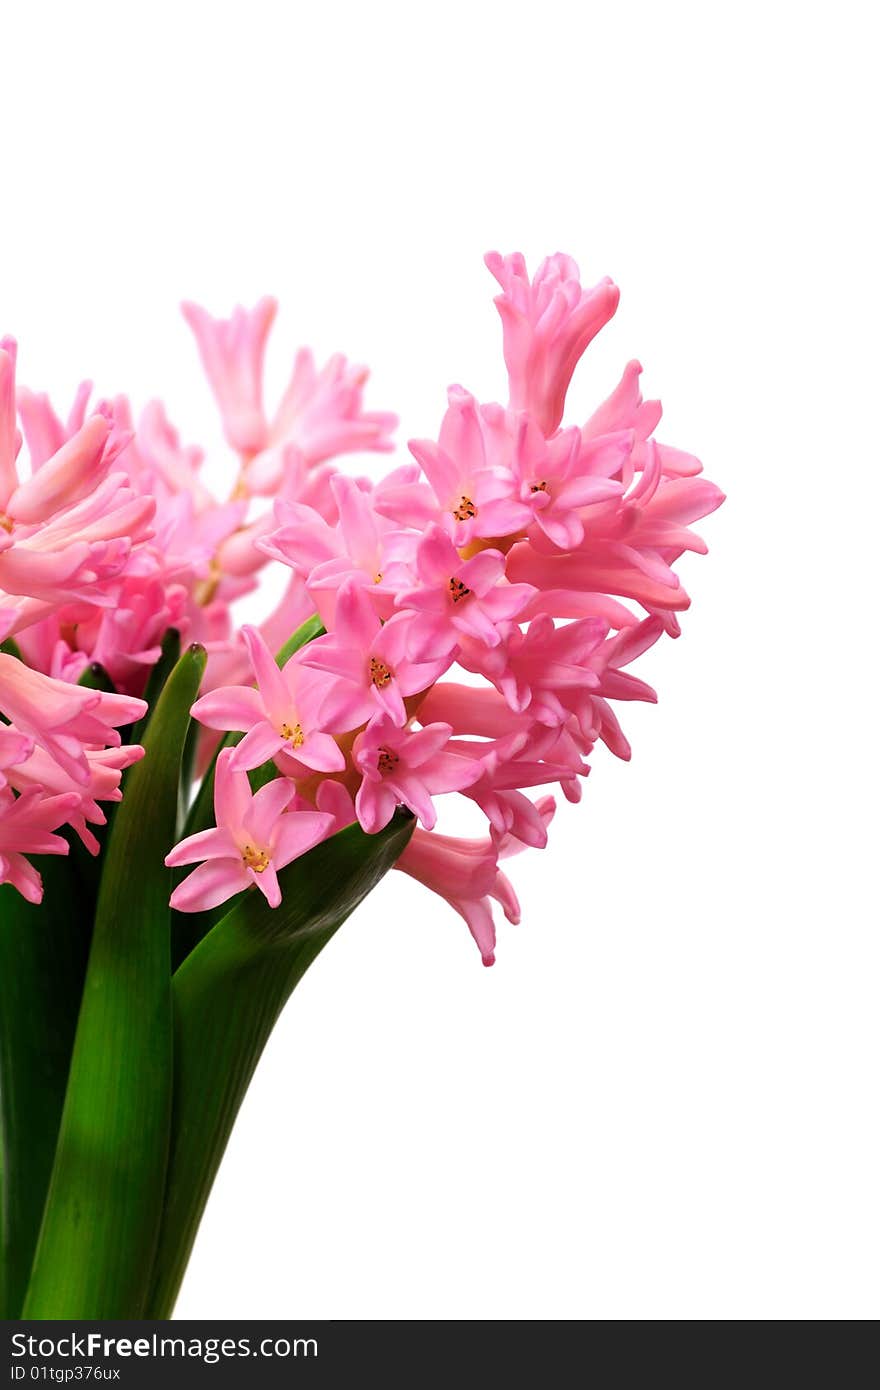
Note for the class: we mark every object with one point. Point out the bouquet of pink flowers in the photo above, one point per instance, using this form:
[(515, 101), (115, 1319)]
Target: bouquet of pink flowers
[(189, 810)]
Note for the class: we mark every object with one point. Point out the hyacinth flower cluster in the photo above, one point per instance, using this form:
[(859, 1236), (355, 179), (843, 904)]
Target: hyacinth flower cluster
[(192, 805), (481, 605)]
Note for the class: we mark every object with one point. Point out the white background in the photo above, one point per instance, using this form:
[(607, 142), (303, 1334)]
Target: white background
[(661, 1103)]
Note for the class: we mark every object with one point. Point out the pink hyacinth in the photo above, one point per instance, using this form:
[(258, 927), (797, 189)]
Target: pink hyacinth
[(282, 716), (458, 598), (40, 772), (362, 547), (404, 767), (470, 476), (466, 874), (232, 352), (374, 672), (548, 324), (255, 836), (320, 415), (535, 556), (26, 826), (64, 718), (15, 748)]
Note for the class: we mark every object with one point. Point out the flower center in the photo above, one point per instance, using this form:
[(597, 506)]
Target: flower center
[(293, 735), (458, 590), (256, 859), (379, 673), (540, 487), (388, 760), (377, 577), (465, 511), (6, 522)]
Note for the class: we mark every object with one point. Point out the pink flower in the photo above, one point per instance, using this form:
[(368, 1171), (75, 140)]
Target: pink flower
[(68, 476), (369, 659), (44, 432), (466, 874), (405, 767), (255, 836), (232, 352), (26, 823), (625, 410), (556, 478), (172, 467), (472, 482), (363, 547), (105, 766), (72, 555), (127, 638), (533, 666), (64, 718), (561, 581), (282, 716), (336, 800), (531, 757), (72, 524), (322, 413), (458, 598), (548, 324), (15, 748)]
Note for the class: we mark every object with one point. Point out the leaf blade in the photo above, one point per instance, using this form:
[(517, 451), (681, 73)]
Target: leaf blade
[(102, 1210), (43, 953)]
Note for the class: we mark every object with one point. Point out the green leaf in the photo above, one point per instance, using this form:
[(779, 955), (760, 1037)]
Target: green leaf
[(228, 995), (168, 659), (310, 629), (43, 952), (101, 1220)]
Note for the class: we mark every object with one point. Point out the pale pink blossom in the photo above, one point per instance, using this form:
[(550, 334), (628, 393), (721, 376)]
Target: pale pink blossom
[(533, 665), (458, 598), (370, 661), (232, 352), (254, 837), (556, 479), (26, 825), (63, 718), (625, 409), (282, 716), (322, 414), (466, 874), (405, 767), (548, 324), (474, 487), (15, 747), (41, 772), (363, 547), (44, 431)]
